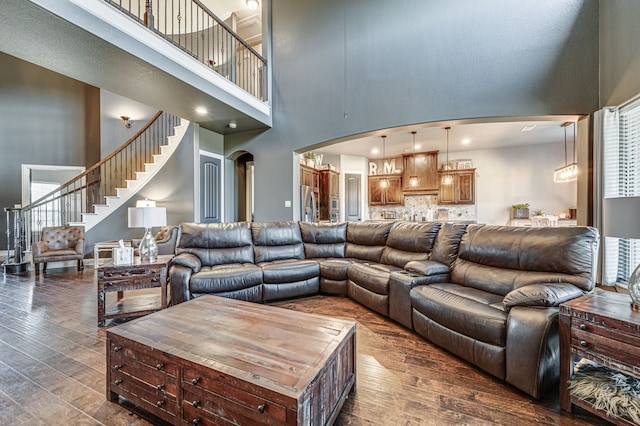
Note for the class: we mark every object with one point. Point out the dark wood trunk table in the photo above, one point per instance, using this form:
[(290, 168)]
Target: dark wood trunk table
[(214, 360), (603, 328)]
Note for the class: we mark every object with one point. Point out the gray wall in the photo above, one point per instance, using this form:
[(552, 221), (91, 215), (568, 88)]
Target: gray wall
[(619, 51), (345, 67), (45, 118)]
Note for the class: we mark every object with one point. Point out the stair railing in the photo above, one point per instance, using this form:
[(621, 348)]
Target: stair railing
[(67, 203), (192, 27)]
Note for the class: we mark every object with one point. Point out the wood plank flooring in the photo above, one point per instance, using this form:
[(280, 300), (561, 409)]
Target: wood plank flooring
[(52, 366)]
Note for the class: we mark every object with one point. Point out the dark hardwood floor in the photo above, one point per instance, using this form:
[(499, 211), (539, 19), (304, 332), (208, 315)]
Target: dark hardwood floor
[(52, 366)]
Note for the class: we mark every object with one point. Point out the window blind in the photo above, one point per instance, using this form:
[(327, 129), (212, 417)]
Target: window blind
[(622, 179)]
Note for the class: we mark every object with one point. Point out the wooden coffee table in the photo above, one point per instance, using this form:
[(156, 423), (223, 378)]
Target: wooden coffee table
[(214, 360)]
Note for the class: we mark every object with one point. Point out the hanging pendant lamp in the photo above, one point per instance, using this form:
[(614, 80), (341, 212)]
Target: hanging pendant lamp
[(447, 179), (569, 172), (384, 182), (413, 178)]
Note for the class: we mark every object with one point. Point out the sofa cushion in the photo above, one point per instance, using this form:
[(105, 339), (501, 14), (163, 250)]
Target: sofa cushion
[(288, 271), (225, 278), (373, 277), (501, 258), (445, 247), (276, 241), (463, 310), (416, 237), (216, 243), (334, 269)]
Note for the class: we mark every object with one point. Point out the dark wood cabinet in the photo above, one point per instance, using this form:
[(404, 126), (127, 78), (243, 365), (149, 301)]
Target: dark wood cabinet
[(329, 195), (391, 195), (461, 191), (424, 165), (309, 176)]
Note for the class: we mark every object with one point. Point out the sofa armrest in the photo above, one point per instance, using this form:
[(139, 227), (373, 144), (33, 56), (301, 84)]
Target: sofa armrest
[(80, 247), (426, 267), (532, 349), (38, 248), (179, 278), (188, 260), (542, 295)]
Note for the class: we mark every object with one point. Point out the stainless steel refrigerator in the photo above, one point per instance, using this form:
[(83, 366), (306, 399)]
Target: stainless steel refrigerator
[(308, 204)]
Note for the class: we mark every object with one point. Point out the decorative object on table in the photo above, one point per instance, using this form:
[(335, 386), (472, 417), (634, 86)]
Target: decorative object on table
[(520, 211), (122, 255), (447, 179), (146, 215), (538, 212), (464, 164), (621, 219), (568, 172), (310, 158)]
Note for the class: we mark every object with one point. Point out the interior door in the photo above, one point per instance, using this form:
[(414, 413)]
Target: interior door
[(352, 199), (210, 189)]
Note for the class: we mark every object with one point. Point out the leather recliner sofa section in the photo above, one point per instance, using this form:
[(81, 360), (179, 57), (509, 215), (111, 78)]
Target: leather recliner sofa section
[(499, 309), (489, 294)]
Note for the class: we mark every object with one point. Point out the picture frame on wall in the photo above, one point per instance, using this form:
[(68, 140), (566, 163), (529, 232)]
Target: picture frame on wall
[(464, 164)]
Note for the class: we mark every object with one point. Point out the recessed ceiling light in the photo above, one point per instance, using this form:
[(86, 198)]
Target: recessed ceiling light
[(528, 128), (201, 110), (375, 151), (466, 141)]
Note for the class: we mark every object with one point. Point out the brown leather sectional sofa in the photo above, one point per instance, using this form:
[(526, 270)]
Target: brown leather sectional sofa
[(489, 294)]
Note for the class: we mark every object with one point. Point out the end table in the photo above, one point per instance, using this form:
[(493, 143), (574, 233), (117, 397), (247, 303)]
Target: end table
[(121, 278), (603, 328)]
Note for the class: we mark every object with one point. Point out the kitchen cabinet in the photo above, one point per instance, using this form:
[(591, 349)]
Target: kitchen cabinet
[(461, 191), (309, 176), (425, 166), (329, 195), (391, 195)]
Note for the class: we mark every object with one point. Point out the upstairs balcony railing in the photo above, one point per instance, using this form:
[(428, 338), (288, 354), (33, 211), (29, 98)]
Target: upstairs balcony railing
[(189, 25), (71, 200)]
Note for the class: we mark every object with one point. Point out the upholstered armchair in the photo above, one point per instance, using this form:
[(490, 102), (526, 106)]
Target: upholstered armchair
[(57, 244)]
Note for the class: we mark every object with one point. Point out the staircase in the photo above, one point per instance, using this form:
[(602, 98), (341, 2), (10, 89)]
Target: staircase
[(92, 196)]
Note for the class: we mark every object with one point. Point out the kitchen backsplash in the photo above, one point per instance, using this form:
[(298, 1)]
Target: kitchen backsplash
[(423, 206)]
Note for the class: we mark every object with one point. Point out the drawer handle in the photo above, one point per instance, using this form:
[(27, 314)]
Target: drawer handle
[(583, 343), (154, 280), (583, 327), (195, 381), (160, 403), (195, 421), (110, 274), (117, 382), (196, 403), (262, 407), (117, 349), (159, 366), (117, 366), (160, 387)]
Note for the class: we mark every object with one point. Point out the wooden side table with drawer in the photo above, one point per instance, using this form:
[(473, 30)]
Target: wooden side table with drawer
[(601, 327), (139, 275)]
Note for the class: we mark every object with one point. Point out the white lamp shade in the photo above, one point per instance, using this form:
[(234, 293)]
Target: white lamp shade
[(621, 217), (147, 217)]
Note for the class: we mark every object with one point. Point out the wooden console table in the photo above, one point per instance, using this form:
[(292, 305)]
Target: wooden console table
[(121, 278), (603, 328)]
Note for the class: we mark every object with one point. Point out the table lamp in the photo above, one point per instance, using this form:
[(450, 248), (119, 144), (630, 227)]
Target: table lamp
[(146, 215), (621, 219)]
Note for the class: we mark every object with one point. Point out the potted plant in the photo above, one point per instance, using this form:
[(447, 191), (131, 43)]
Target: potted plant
[(520, 211), (538, 212), (310, 158)]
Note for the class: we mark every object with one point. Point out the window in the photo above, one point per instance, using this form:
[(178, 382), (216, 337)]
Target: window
[(621, 179)]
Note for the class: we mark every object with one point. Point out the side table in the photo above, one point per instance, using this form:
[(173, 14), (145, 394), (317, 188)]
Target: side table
[(121, 278), (603, 328)]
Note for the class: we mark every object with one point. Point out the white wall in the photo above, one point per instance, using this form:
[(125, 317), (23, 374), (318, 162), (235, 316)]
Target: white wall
[(524, 174)]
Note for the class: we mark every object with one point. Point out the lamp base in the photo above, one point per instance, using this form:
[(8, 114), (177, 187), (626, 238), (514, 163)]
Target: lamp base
[(634, 289), (148, 248)]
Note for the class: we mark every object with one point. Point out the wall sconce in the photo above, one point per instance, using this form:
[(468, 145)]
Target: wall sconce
[(126, 121)]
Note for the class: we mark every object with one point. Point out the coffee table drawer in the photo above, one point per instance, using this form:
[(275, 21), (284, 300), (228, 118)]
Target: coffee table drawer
[(215, 397), (124, 352)]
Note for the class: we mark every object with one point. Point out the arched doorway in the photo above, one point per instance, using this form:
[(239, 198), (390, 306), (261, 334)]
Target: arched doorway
[(244, 186)]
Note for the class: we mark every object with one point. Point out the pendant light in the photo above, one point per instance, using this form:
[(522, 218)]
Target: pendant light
[(569, 172), (384, 182), (413, 178), (447, 179)]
